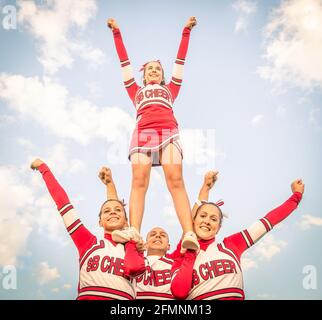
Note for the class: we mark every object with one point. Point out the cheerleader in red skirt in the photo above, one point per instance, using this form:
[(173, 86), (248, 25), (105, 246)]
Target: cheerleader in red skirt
[(155, 140)]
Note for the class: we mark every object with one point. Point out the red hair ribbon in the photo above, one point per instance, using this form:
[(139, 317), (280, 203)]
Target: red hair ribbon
[(219, 203)]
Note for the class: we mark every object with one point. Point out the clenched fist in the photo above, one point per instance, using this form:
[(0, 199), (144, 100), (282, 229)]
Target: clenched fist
[(112, 24), (297, 186), (36, 164), (191, 22), (210, 178), (105, 175)]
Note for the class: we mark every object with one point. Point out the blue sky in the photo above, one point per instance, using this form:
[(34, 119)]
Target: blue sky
[(250, 107)]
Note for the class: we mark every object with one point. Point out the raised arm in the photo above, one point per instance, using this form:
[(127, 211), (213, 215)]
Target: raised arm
[(208, 183), (177, 73), (105, 175), (82, 238), (243, 240), (127, 71)]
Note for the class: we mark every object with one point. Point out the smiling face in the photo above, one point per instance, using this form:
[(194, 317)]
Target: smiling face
[(157, 242), (207, 222), (112, 216), (153, 72)]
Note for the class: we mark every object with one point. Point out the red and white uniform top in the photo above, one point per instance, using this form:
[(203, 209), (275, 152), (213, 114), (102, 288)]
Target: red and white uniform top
[(156, 125), (101, 274), (215, 272), (154, 283)]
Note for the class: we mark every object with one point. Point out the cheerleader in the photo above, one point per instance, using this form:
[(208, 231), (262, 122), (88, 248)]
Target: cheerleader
[(155, 140), (101, 261), (151, 275), (215, 272)]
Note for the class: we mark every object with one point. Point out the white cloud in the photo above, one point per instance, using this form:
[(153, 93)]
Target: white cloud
[(46, 274), (268, 247), (241, 24), (265, 296), (25, 205), (198, 147), (244, 9), (15, 224), (57, 26), (55, 290), (26, 143), (59, 159), (67, 286), (248, 263), (293, 44), (307, 221), (48, 221), (257, 120), (49, 104)]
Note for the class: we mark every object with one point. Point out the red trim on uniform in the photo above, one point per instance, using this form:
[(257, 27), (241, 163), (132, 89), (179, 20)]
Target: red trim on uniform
[(101, 245), (265, 225), (169, 91), (154, 294), (128, 81), (166, 260), (71, 233), (125, 64), (179, 62), (70, 207), (177, 80), (156, 148), (154, 102), (107, 290), (64, 205), (232, 298), (220, 248), (93, 297), (221, 291), (248, 237), (73, 225)]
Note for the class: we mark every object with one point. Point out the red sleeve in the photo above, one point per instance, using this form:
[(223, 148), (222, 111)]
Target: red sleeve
[(176, 253), (82, 238), (243, 240), (134, 262), (182, 269), (127, 72), (177, 74)]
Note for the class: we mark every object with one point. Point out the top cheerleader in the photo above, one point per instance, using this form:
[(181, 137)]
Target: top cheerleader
[(155, 140)]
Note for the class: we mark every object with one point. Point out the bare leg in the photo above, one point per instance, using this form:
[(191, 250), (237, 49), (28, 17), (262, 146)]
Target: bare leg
[(172, 166), (141, 169)]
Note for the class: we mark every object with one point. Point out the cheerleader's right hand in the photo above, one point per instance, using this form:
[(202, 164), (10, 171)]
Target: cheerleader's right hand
[(112, 24)]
